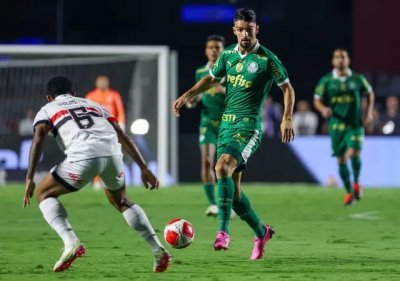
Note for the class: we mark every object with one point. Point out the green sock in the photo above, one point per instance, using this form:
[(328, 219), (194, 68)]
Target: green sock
[(356, 165), (226, 189), (243, 209), (345, 176), (209, 190)]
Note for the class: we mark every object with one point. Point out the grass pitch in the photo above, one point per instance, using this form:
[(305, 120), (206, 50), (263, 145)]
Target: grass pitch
[(316, 239)]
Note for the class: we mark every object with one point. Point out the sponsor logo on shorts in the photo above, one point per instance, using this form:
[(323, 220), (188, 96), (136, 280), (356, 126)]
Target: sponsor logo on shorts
[(74, 177), (228, 117)]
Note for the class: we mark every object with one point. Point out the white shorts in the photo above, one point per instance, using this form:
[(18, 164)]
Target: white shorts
[(75, 175)]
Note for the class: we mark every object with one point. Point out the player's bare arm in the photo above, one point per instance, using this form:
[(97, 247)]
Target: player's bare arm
[(369, 113), (286, 125), (204, 84), (41, 132), (322, 108), (148, 178)]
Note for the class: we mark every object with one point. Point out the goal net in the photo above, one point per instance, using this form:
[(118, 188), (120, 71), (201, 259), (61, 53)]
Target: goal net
[(145, 76)]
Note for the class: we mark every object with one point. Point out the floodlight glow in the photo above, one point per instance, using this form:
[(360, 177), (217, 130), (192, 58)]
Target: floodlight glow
[(388, 128), (140, 127)]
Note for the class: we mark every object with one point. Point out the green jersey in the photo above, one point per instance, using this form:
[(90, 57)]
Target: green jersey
[(343, 96), (248, 80), (213, 102)]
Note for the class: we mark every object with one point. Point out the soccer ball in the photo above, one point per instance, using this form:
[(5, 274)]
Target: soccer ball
[(179, 233)]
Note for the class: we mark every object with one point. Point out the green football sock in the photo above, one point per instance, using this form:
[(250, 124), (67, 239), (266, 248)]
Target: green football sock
[(345, 176), (243, 209), (356, 165), (226, 189), (209, 190)]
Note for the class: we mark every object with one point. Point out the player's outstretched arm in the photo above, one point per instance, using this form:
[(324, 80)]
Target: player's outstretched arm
[(286, 125), (322, 108), (148, 178), (204, 84), (41, 132), (369, 113)]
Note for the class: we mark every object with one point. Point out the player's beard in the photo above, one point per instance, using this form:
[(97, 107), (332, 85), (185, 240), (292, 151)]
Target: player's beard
[(245, 44)]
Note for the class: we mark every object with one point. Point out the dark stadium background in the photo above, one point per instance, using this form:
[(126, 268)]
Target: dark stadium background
[(302, 33)]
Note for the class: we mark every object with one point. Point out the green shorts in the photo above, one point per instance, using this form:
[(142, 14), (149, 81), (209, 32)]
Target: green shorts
[(344, 137), (241, 143), (209, 131)]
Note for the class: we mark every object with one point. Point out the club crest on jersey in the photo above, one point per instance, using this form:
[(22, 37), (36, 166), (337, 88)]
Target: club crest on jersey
[(252, 67), (352, 85), (239, 67)]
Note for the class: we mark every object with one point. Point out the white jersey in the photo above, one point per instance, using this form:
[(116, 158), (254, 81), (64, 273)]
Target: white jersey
[(81, 127)]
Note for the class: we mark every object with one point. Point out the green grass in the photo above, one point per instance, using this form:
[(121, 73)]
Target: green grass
[(317, 238)]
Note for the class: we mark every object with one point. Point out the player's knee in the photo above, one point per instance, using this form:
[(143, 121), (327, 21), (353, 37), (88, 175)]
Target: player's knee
[(222, 168), (122, 205)]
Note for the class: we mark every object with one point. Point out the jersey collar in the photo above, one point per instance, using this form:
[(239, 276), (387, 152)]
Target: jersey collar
[(335, 75), (254, 50), (63, 97)]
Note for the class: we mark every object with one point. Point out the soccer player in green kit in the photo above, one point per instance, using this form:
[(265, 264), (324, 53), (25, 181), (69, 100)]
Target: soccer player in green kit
[(338, 97), (250, 70), (213, 103)]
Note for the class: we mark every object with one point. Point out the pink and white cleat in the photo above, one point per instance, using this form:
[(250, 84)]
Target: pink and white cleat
[(222, 241), (69, 255), (259, 243)]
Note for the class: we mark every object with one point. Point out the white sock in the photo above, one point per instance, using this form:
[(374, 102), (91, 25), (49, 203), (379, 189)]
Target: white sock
[(137, 219), (56, 216)]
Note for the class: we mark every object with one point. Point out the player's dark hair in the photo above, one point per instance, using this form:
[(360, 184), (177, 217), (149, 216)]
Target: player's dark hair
[(215, 37), (245, 14), (59, 85), (341, 50)]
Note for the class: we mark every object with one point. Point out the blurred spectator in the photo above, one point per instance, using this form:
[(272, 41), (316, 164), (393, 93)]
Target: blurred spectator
[(108, 98), (271, 117), (305, 122), (390, 120), (25, 125)]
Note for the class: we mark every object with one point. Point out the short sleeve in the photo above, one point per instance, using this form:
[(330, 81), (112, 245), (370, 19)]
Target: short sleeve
[(365, 86), (41, 117), (108, 115), (320, 89), (197, 76), (278, 71), (219, 69)]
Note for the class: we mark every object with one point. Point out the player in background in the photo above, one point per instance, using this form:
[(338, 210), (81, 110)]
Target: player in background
[(250, 70), (211, 112), (108, 98), (91, 140), (111, 100), (338, 97)]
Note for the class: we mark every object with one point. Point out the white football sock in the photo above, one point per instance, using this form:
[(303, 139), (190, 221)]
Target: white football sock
[(137, 219), (56, 216)]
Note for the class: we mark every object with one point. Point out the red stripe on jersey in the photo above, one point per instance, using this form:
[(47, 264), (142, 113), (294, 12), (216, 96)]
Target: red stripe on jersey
[(59, 114), (95, 110), (112, 119)]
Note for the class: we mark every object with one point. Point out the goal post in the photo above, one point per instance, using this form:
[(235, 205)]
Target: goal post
[(64, 58)]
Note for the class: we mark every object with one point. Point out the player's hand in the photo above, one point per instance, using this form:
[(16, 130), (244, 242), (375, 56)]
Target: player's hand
[(29, 189), (181, 101), (149, 179), (368, 119), (191, 102), (219, 88), (287, 130), (326, 112)]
